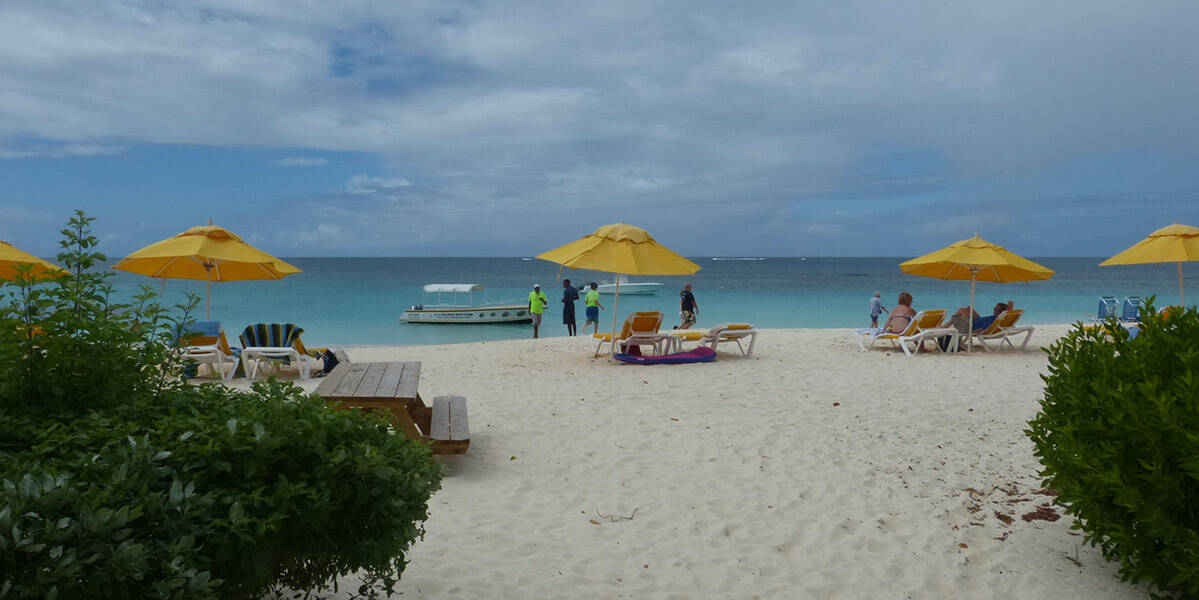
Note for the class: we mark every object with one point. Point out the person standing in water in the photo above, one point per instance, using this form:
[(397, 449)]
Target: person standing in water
[(537, 304), (591, 300), (688, 307), (876, 309), (569, 295)]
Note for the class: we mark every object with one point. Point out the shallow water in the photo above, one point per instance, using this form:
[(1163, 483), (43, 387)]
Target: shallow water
[(357, 301)]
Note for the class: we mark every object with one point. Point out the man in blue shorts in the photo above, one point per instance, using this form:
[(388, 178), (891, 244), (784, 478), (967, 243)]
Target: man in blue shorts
[(593, 308)]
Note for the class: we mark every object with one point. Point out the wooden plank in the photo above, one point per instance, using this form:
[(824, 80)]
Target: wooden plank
[(459, 429), (325, 389), (439, 426), (410, 381), (390, 381), (370, 380), (348, 384)]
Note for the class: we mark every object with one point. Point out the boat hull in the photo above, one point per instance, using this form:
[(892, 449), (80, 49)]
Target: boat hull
[(477, 315), (631, 289)]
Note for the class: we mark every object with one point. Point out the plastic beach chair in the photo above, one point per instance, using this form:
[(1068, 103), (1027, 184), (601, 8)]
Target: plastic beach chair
[(1131, 310), (926, 325), (1002, 329), (639, 329), (206, 345), (726, 332), (275, 344)]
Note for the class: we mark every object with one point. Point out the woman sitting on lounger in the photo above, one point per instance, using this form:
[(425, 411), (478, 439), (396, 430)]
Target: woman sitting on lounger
[(901, 315)]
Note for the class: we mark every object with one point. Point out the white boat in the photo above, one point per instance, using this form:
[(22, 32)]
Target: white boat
[(457, 311), (626, 287)]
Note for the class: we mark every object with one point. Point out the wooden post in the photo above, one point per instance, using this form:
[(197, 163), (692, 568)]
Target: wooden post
[(615, 303)]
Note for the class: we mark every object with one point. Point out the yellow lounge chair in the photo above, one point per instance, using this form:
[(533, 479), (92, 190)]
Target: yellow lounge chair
[(726, 332), (639, 329), (926, 325), (208, 349), (1002, 329)]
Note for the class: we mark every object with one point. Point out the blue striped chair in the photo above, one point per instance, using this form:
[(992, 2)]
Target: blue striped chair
[(1132, 308), (276, 344)]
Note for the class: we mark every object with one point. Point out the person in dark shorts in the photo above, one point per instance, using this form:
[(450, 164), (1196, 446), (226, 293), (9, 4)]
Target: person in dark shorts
[(688, 307), (593, 307), (569, 295)]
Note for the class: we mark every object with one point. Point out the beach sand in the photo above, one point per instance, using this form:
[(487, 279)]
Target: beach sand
[(808, 470)]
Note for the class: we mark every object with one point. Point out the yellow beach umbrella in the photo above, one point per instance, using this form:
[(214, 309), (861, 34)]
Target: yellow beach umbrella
[(11, 258), (1175, 243), (977, 260), (623, 249), (207, 253)]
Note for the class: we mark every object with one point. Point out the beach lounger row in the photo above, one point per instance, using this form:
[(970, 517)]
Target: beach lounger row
[(643, 329), (929, 325), (1127, 310), (265, 346)]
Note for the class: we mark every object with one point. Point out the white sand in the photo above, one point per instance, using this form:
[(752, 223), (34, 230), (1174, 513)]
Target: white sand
[(809, 470)]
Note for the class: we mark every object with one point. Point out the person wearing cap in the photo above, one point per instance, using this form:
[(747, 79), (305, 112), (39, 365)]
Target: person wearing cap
[(593, 308), (537, 303), (688, 307), (876, 309), (569, 295)]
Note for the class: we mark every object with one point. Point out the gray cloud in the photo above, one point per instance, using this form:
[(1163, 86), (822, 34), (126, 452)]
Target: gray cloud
[(518, 117), (302, 161)]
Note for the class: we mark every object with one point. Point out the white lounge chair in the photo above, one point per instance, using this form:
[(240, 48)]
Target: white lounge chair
[(639, 329), (1003, 329), (727, 332), (926, 325), (203, 348), (273, 344)]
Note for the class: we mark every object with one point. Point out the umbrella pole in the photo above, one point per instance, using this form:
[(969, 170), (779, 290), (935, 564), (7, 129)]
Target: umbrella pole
[(615, 303), (1181, 299), (970, 317)]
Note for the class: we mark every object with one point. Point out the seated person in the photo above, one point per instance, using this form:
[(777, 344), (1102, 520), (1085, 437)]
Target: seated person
[(901, 315), (960, 322)]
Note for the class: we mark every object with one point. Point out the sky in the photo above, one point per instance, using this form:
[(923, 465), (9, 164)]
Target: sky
[(443, 128)]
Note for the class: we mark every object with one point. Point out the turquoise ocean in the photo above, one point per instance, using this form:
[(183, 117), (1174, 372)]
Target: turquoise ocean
[(358, 301)]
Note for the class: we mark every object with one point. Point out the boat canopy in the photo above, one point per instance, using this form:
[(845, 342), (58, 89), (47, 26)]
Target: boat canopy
[(436, 288)]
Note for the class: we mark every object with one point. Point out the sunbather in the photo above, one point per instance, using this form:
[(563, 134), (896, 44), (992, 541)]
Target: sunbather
[(901, 315), (961, 321)]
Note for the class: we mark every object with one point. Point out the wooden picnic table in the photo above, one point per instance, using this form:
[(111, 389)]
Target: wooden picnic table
[(390, 388)]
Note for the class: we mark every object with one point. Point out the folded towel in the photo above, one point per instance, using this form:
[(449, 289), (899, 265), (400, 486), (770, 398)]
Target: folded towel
[(199, 328)]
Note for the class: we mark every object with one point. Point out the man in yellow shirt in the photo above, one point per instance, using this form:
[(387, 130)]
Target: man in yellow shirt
[(537, 303), (591, 300)]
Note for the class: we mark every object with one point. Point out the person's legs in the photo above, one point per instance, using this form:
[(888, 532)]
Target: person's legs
[(536, 324), (873, 321)]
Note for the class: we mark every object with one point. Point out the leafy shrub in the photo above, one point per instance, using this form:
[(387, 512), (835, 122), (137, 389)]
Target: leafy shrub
[(130, 483), (1118, 436)]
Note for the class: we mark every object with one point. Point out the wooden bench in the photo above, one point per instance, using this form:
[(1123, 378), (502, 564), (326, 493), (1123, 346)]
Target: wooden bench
[(390, 388)]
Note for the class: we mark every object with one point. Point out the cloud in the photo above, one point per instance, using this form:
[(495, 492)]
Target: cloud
[(363, 184), (55, 150), (518, 121), (301, 161)]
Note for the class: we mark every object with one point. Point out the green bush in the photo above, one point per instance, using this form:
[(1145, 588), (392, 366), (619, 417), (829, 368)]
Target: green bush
[(1118, 436), (130, 483)]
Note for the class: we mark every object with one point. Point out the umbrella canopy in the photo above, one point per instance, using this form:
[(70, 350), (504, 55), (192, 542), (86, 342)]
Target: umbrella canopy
[(623, 249), (1175, 243), (11, 258), (976, 259), (620, 248), (207, 253)]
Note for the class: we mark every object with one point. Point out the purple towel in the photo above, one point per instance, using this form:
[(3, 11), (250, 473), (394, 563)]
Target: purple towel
[(701, 354)]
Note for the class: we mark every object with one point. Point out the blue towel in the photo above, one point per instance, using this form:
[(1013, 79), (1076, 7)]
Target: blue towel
[(204, 328), (984, 322)]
